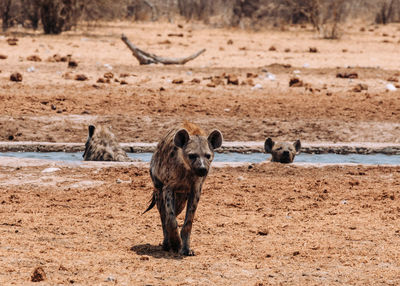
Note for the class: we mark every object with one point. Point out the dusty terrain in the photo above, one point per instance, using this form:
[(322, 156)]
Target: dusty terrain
[(271, 224), (49, 105), (256, 225)]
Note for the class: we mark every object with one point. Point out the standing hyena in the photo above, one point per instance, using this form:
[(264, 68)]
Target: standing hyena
[(178, 169), (101, 145)]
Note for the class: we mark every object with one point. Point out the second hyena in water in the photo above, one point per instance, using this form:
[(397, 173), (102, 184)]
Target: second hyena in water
[(283, 152), (178, 169), (102, 145)]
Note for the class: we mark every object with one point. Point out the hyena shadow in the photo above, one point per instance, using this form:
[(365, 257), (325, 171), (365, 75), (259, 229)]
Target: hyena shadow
[(155, 251)]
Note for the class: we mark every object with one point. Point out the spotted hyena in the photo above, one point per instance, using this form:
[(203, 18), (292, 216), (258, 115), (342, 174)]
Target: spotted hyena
[(283, 152), (102, 145), (178, 169)]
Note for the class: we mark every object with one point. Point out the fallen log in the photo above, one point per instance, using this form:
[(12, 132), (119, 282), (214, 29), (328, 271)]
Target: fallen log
[(146, 58)]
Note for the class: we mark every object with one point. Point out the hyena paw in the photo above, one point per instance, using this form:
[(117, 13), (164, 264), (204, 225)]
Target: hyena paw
[(165, 245), (175, 242), (187, 252)]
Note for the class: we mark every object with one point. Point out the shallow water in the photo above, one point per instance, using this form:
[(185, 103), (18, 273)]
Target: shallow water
[(371, 159)]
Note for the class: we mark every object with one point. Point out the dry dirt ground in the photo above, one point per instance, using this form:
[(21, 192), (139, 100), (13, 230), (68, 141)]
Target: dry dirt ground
[(259, 225), (271, 224), (49, 105)]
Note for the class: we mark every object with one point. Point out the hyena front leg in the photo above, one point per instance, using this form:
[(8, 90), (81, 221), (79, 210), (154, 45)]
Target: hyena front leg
[(171, 224), (191, 207)]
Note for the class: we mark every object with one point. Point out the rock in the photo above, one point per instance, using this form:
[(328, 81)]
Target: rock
[(108, 75), (17, 77), (251, 75), (38, 275), (175, 35), (3, 57), (195, 80), (271, 76), (123, 82), (177, 81), (217, 80), (313, 50), (351, 75), (393, 79), (34, 58), (263, 232), (51, 170), (390, 87), (12, 41), (272, 48), (229, 42), (81, 77), (249, 81), (257, 86), (232, 79), (360, 87), (166, 42), (72, 63), (103, 80), (295, 82)]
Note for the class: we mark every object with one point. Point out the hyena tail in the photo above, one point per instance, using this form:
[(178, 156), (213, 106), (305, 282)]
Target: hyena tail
[(153, 202)]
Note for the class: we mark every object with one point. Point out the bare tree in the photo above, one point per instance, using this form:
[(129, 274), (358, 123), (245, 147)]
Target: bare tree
[(385, 13), (5, 9)]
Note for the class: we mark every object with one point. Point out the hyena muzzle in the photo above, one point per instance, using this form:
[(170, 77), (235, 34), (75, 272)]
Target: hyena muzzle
[(178, 169), (282, 152)]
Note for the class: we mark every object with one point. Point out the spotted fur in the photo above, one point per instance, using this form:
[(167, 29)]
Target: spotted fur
[(102, 145), (178, 169)]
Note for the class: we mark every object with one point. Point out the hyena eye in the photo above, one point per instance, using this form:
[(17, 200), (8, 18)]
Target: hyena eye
[(208, 156), (193, 156), (278, 149)]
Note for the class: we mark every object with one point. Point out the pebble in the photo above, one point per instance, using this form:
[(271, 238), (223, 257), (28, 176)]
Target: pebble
[(391, 87), (257, 86), (50, 170)]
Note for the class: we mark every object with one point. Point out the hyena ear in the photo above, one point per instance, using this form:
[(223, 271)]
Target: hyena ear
[(268, 145), (215, 139), (181, 138), (297, 145), (91, 130)]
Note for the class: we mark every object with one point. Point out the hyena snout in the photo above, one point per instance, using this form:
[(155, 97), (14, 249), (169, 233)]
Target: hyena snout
[(200, 166)]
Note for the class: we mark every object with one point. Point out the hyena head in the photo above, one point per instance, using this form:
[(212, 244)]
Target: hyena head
[(198, 151), (101, 145), (283, 152)]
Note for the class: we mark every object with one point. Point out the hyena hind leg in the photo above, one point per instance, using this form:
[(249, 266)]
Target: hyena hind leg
[(171, 224), (161, 210)]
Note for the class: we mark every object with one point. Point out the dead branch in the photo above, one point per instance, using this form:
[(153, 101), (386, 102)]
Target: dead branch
[(146, 58)]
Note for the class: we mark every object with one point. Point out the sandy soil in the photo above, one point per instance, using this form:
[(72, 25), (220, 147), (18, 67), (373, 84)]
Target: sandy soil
[(256, 225), (271, 224), (49, 105)]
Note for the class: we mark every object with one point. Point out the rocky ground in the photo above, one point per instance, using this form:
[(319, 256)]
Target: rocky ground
[(256, 225)]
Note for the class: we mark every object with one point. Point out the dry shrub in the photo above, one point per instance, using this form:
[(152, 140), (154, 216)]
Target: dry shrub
[(388, 11)]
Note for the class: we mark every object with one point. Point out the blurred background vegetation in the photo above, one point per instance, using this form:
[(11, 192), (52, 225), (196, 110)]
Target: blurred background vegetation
[(56, 16)]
